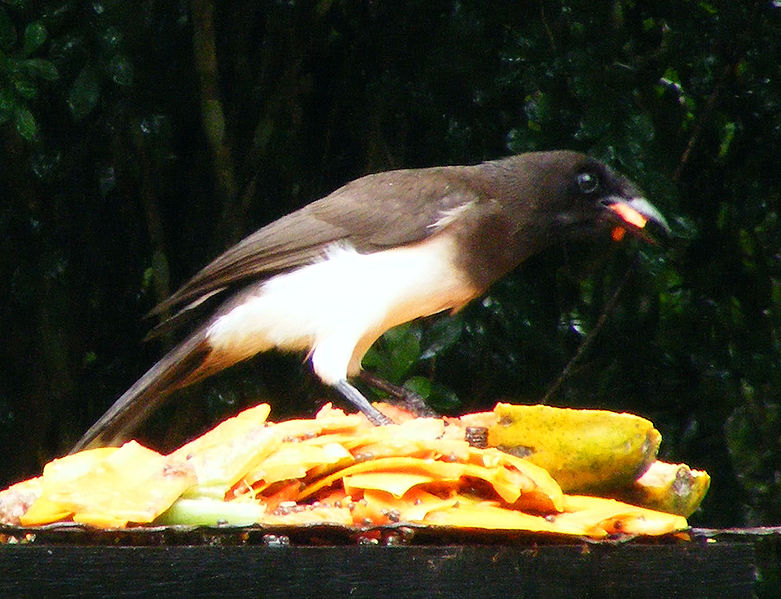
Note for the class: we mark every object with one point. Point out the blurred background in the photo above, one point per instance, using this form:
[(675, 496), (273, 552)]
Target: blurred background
[(140, 139)]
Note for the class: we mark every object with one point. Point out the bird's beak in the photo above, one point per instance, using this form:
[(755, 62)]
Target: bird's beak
[(633, 215)]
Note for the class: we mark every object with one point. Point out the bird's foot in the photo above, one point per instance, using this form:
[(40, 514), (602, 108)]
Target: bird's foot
[(411, 400), (356, 398)]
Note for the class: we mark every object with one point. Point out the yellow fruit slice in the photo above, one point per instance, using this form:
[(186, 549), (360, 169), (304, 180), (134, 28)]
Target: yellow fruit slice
[(583, 450), (223, 455), (109, 488), (602, 516)]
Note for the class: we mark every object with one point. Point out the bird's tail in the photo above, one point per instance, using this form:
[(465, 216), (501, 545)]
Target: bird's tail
[(181, 366)]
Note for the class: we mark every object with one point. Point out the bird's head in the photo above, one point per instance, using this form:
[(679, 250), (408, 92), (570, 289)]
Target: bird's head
[(591, 200)]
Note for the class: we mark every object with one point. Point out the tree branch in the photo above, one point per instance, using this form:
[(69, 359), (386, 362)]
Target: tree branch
[(213, 118), (591, 337)]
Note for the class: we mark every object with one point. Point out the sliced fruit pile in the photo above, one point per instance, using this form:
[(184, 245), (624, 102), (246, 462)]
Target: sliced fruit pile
[(338, 468)]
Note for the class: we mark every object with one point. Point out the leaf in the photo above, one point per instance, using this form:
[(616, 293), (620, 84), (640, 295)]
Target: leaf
[(727, 135), (7, 31), (442, 399), (110, 39), (708, 8), (41, 67), (403, 350), (84, 93), (25, 123), (44, 164), (25, 88), (35, 35), (595, 122), (437, 396), (442, 335), (120, 70), (641, 128), (419, 385), (7, 100), (395, 353)]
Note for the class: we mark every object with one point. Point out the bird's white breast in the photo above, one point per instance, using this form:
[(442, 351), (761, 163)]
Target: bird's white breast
[(339, 306)]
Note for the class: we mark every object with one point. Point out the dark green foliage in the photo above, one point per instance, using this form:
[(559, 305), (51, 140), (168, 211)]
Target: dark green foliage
[(140, 138)]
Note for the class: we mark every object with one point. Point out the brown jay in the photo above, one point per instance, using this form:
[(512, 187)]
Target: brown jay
[(387, 248)]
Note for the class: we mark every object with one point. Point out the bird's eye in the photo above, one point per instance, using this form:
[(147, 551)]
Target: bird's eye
[(587, 182)]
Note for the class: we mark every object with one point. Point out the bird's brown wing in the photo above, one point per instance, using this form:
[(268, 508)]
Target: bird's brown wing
[(372, 213)]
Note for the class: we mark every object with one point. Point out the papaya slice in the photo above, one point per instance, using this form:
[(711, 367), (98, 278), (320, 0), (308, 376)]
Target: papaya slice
[(294, 460), (110, 488), (393, 483), (491, 516), (603, 516), (583, 450), (223, 455)]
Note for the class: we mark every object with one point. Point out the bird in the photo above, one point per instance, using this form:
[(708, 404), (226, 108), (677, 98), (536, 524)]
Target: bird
[(331, 277)]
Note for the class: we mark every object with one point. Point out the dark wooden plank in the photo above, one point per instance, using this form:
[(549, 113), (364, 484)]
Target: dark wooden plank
[(629, 570)]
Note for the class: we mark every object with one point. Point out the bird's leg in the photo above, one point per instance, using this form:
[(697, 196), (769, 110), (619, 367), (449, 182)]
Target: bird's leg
[(356, 398), (416, 404)]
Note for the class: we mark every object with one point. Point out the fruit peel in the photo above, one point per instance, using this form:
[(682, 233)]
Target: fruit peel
[(672, 488)]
